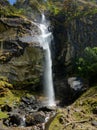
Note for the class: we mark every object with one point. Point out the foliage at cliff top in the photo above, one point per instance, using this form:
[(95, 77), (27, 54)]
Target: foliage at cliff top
[(70, 8), (77, 9), (28, 6), (8, 10)]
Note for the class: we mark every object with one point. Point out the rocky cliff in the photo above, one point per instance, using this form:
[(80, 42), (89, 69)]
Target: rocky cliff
[(74, 30), (20, 55)]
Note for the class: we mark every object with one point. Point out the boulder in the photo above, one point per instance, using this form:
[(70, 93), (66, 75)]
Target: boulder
[(94, 123), (75, 83), (29, 104), (45, 109), (6, 108), (28, 100), (13, 120), (36, 118)]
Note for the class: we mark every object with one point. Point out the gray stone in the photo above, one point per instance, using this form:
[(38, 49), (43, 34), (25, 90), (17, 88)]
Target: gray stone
[(35, 118), (75, 83), (94, 123)]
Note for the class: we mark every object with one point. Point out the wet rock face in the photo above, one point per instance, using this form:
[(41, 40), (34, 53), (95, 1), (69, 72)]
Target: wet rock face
[(12, 29), (25, 68), (10, 49), (20, 54), (82, 33), (71, 39), (59, 49)]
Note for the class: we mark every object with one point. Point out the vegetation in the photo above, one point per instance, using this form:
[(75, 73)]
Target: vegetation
[(9, 10), (3, 115), (87, 65), (12, 98), (4, 86), (71, 9), (79, 115)]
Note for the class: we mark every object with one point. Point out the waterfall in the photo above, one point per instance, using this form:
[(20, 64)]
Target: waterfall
[(45, 41)]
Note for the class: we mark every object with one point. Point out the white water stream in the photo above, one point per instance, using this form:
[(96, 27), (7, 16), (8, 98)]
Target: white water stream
[(45, 41)]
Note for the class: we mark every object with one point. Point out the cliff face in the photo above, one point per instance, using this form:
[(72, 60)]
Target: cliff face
[(82, 32), (20, 54), (74, 30)]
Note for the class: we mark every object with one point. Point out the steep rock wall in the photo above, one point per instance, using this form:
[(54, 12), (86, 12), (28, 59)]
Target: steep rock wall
[(20, 56), (71, 38)]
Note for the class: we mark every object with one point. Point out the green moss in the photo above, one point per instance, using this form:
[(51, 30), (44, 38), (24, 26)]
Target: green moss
[(3, 115), (87, 102), (10, 98), (55, 124), (4, 86), (80, 110), (20, 93)]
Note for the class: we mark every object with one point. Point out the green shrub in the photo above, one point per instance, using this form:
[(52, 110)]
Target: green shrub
[(87, 65)]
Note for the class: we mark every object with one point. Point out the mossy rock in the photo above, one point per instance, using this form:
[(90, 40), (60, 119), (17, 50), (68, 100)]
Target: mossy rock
[(54, 123), (4, 86), (80, 115)]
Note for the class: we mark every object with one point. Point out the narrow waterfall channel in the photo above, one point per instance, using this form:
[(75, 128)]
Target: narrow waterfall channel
[(45, 41)]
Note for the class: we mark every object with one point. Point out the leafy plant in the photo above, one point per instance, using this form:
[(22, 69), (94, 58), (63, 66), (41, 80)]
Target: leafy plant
[(87, 65)]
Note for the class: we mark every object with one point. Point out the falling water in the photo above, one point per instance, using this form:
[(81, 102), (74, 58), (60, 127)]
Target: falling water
[(45, 41)]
